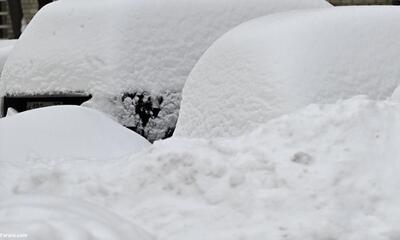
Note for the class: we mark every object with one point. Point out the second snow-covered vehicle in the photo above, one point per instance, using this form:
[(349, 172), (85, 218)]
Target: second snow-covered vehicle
[(277, 64), (130, 58)]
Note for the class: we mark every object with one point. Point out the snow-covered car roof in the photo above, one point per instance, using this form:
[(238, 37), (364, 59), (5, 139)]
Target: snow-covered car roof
[(102, 45), (279, 63)]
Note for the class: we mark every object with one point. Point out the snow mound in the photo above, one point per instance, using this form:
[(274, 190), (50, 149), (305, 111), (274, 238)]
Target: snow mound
[(54, 133), (36, 217), (111, 49), (279, 63), (329, 171)]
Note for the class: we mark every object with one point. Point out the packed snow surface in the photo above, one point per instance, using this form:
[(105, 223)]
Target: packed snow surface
[(61, 132), (112, 47), (37, 217), (279, 63), (329, 171)]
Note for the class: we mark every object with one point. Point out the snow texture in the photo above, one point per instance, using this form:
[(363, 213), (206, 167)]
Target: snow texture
[(36, 217), (109, 48), (329, 171), (279, 63), (5, 48), (59, 132)]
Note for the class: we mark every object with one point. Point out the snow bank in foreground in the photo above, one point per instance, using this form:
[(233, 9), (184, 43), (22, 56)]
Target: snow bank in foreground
[(48, 218), (279, 63), (117, 48), (60, 132), (325, 172)]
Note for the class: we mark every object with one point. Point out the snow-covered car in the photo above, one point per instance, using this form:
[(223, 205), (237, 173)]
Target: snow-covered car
[(66, 132), (276, 64), (130, 58)]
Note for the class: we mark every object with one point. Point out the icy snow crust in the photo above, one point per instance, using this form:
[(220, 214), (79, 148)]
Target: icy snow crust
[(60, 132), (279, 63), (109, 47), (324, 172), (50, 218)]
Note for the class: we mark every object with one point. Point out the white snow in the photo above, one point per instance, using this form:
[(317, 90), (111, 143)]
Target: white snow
[(60, 132), (279, 63), (116, 45), (396, 94), (321, 169), (107, 48), (324, 172), (5, 48), (11, 112), (37, 217)]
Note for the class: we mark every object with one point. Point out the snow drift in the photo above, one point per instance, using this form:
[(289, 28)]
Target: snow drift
[(37, 217), (116, 49), (59, 132), (329, 171), (279, 63)]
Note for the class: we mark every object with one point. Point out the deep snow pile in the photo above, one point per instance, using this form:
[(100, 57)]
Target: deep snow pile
[(61, 132), (324, 172), (36, 217), (279, 63), (113, 48)]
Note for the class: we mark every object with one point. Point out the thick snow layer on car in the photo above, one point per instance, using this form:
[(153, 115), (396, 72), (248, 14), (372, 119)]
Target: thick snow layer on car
[(5, 48), (37, 217), (115, 48), (324, 172), (276, 64), (55, 133)]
